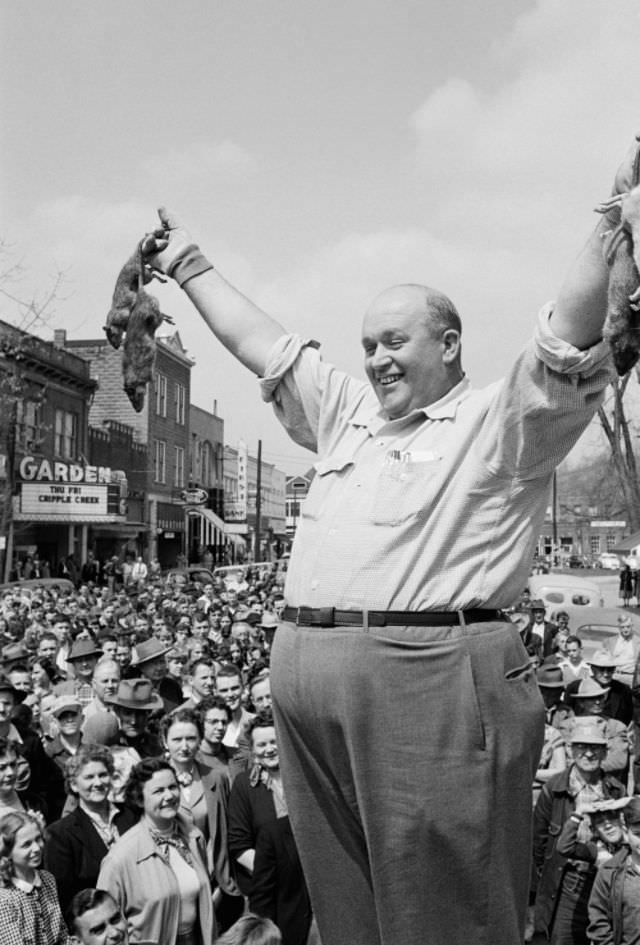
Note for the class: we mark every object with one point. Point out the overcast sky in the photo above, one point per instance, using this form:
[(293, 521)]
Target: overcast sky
[(318, 152)]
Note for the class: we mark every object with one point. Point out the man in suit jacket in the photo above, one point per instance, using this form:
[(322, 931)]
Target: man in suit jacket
[(278, 888)]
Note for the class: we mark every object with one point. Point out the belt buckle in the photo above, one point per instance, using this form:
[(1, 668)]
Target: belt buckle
[(324, 617)]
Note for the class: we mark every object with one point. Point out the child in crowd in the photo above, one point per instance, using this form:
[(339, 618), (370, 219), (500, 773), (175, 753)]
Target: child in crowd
[(29, 907)]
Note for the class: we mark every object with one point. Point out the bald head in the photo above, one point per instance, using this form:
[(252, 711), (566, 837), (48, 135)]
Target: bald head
[(436, 308), (411, 341)]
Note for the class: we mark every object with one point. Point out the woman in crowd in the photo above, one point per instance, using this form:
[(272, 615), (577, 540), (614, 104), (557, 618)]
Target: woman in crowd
[(12, 765), (29, 908), (256, 798), (204, 794), (156, 871), (77, 844)]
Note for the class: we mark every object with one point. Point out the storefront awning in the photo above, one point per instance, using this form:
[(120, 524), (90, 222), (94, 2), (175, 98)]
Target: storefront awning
[(124, 529), (57, 519), (212, 526)]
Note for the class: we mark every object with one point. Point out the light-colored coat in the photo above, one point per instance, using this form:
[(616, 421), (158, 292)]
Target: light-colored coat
[(145, 887)]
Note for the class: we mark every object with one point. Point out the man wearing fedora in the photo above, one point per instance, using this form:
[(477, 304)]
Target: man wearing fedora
[(13, 654), (134, 704), (151, 663), (83, 656), (618, 702), (588, 702), (582, 783), (541, 632)]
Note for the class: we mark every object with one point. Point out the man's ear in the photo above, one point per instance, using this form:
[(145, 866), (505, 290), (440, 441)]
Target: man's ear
[(450, 345)]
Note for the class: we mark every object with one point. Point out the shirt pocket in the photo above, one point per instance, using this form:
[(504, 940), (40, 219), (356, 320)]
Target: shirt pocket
[(329, 473), (403, 490)]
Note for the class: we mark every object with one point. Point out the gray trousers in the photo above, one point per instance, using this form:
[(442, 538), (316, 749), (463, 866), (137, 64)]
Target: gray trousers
[(408, 755)]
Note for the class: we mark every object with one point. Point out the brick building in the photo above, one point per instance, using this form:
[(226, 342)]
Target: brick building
[(161, 428), (51, 494)]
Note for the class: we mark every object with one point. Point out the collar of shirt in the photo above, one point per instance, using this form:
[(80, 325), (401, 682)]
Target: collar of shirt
[(13, 734), (97, 819), (24, 886), (443, 409)]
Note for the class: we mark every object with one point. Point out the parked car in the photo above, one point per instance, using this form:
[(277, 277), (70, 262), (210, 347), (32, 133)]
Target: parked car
[(609, 561), (576, 561), (189, 575), (561, 590)]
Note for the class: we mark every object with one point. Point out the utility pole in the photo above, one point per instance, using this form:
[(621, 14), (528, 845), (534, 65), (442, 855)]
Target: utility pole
[(256, 552)]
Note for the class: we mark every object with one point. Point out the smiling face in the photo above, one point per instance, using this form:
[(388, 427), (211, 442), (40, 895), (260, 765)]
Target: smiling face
[(161, 798), (409, 362), (608, 826), (265, 747), (26, 855), (92, 783)]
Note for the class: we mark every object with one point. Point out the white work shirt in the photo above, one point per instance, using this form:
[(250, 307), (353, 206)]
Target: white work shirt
[(453, 522)]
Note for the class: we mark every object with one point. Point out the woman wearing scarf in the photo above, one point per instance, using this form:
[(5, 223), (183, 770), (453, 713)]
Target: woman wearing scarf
[(156, 872), (256, 798)]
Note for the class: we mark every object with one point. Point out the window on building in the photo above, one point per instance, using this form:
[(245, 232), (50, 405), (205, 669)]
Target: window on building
[(611, 542), (160, 460), (66, 434), (180, 395), (594, 544), (28, 425), (178, 467), (161, 395)]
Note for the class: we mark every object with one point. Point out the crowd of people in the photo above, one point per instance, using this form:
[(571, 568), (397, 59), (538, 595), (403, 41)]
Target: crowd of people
[(140, 785), (140, 780)]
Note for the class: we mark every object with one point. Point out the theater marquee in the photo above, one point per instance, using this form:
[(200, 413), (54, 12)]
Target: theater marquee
[(67, 491)]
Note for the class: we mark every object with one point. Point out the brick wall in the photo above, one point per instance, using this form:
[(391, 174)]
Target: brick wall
[(110, 401)]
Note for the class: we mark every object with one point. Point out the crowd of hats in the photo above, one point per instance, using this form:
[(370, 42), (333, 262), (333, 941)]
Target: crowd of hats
[(93, 613)]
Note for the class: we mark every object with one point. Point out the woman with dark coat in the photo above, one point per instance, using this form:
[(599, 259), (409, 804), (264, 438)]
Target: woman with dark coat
[(77, 844), (256, 798)]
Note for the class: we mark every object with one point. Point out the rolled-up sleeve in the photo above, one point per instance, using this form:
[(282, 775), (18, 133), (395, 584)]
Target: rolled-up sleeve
[(543, 405), (562, 357), (307, 394)]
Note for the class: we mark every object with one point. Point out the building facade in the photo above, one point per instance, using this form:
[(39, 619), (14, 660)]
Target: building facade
[(52, 494), (161, 428)]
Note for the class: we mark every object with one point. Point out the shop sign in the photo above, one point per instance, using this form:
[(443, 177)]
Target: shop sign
[(33, 470), (194, 496), (69, 501), (235, 511)]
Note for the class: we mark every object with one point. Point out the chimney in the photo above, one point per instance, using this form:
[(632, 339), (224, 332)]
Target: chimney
[(215, 408), (60, 337)]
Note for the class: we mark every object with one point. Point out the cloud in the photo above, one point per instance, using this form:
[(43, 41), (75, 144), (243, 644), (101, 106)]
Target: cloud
[(200, 167), (527, 160)]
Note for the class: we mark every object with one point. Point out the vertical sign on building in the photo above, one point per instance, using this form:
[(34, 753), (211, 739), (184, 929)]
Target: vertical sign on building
[(243, 486)]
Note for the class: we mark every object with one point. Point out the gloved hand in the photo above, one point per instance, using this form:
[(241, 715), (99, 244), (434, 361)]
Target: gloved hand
[(171, 250), (167, 241)]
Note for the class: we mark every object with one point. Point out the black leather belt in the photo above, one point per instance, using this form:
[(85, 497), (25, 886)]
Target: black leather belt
[(330, 617)]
